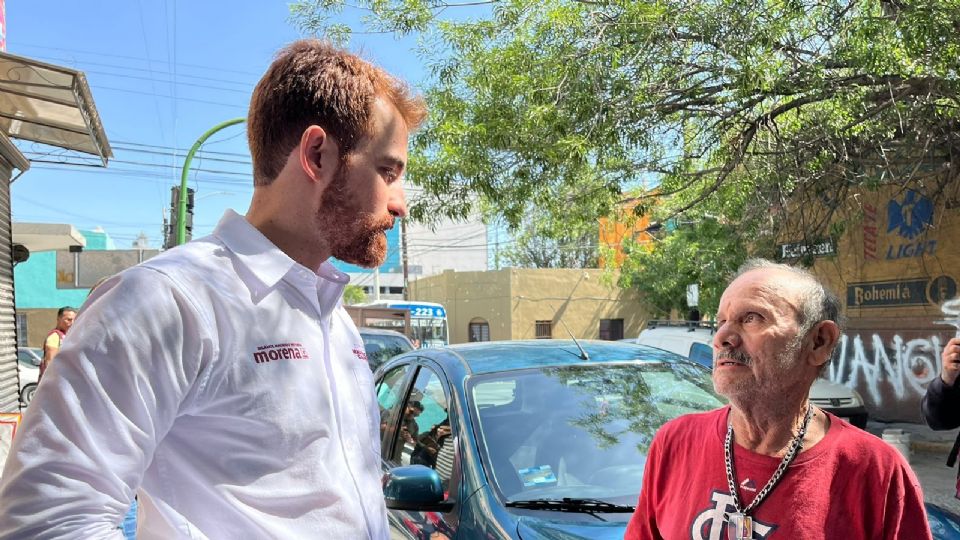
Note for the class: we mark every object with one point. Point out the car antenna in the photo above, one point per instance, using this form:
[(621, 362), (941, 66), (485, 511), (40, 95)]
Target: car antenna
[(583, 353)]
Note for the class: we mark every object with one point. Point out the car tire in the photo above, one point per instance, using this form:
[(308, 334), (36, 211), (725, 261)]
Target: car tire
[(26, 394)]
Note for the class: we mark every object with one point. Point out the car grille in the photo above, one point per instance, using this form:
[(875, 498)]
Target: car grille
[(833, 402)]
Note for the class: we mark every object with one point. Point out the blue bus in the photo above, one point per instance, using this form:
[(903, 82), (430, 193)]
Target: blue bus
[(428, 321)]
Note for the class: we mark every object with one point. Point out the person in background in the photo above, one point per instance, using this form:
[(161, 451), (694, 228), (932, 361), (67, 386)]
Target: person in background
[(941, 403), (54, 340)]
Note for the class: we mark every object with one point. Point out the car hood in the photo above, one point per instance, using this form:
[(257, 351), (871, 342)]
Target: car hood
[(531, 528), (824, 389)]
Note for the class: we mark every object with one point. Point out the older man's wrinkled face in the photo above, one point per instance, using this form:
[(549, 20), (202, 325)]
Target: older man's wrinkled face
[(756, 346)]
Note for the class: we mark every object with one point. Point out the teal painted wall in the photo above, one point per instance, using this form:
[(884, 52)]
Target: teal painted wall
[(35, 280)]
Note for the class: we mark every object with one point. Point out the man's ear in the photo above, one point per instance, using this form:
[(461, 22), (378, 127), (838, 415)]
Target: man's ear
[(823, 337), (317, 154)]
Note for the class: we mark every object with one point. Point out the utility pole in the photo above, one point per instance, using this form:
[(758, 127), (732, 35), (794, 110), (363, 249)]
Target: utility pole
[(403, 247), (181, 213), (178, 226)]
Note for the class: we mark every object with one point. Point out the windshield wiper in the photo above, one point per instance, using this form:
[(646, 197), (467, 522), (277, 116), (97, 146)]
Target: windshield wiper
[(568, 504)]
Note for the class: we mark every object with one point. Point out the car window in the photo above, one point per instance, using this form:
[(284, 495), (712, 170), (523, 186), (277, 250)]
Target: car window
[(382, 347), (565, 431), (425, 411), (702, 354), (494, 393), (390, 399)]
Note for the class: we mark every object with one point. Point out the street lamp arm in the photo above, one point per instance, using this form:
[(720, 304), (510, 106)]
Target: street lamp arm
[(182, 205)]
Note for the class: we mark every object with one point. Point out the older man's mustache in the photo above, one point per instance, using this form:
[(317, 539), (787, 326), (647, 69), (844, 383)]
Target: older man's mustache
[(735, 356)]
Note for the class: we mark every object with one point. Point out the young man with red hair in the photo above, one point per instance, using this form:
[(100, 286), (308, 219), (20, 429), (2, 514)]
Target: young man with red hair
[(217, 381)]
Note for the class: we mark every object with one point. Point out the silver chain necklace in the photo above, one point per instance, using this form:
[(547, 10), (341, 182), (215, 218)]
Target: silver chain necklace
[(740, 524)]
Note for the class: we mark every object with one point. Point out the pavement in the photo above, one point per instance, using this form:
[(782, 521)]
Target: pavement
[(928, 458)]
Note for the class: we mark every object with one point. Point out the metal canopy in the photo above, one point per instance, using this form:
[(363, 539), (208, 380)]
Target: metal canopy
[(51, 105), (47, 236)]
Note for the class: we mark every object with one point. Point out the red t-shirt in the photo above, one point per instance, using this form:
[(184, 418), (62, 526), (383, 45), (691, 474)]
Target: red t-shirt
[(850, 485)]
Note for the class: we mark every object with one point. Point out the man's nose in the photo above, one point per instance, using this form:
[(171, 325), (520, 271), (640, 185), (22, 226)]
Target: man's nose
[(726, 338), (397, 205)]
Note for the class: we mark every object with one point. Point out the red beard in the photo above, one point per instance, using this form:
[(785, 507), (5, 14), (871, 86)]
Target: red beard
[(354, 236)]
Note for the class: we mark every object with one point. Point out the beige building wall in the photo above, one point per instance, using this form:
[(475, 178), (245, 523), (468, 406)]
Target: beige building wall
[(39, 323), (468, 296), (513, 299)]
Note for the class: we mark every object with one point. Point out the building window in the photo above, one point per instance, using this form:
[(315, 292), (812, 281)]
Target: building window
[(478, 330), (611, 329), (544, 329), (22, 330), (396, 290)]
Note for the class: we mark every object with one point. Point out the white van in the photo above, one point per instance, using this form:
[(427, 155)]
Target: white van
[(694, 340)]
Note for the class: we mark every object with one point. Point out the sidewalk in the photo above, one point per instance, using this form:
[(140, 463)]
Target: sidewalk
[(922, 438)]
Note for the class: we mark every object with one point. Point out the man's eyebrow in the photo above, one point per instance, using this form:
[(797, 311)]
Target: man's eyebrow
[(394, 162)]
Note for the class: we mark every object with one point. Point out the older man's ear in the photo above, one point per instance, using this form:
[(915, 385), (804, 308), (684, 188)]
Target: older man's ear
[(823, 337)]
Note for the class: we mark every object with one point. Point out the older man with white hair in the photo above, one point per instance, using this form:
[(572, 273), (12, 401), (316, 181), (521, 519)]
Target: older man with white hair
[(771, 464)]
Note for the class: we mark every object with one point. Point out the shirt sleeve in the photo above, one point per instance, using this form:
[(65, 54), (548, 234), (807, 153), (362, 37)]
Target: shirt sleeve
[(643, 523), (132, 361), (52, 341), (905, 515), (941, 405)]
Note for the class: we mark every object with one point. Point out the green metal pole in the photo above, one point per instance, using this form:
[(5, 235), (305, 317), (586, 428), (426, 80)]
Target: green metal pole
[(182, 206)]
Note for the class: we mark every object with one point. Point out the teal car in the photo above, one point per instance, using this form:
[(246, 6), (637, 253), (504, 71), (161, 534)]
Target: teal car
[(526, 439)]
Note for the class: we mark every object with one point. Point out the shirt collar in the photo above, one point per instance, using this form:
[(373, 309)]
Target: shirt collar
[(264, 260)]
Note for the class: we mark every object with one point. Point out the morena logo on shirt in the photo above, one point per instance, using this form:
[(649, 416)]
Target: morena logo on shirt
[(360, 354), (280, 351)]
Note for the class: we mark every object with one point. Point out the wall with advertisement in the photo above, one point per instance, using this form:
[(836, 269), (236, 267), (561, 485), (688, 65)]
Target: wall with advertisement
[(896, 269)]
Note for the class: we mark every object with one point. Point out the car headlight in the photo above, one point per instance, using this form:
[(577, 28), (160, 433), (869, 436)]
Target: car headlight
[(857, 398)]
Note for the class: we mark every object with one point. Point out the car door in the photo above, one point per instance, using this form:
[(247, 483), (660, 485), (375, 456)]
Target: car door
[(421, 430)]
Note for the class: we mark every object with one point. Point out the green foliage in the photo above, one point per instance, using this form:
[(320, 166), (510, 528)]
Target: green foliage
[(741, 110), (353, 294), (543, 242), (704, 252)]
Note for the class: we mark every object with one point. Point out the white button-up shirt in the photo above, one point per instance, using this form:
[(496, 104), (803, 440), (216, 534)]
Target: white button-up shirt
[(220, 381)]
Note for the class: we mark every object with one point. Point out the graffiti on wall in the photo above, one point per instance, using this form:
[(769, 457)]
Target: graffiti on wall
[(891, 369)]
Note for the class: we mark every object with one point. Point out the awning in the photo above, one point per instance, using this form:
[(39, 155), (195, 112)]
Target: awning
[(47, 236), (51, 105)]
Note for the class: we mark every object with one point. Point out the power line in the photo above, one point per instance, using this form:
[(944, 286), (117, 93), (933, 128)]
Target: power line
[(183, 150), (81, 63), (126, 57), (192, 100), (172, 81), (169, 179), (173, 154)]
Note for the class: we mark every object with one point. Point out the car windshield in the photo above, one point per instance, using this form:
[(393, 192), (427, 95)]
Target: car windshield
[(580, 431), (380, 347)]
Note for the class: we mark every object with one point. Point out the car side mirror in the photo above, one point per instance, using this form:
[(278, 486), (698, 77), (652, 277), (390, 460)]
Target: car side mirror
[(416, 488)]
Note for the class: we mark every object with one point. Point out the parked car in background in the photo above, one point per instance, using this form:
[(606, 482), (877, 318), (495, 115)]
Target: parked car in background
[(694, 340), (381, 344), (28, 368), (532, 440), (944, 524)]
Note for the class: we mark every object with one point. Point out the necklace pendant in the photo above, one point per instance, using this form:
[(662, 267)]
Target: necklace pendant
[(739, 527)]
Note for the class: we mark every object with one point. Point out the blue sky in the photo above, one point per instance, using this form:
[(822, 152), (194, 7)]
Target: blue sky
[(161, 73)]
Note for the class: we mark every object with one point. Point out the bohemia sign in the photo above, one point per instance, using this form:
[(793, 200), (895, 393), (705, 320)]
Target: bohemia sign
[(914, 292)]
